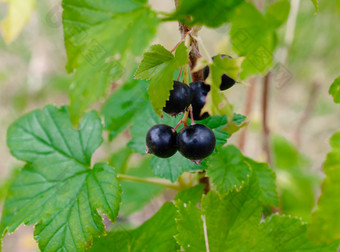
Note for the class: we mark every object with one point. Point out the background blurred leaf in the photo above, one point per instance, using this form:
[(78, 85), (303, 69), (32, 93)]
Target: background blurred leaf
[(19, 13), (316, 4), (98, 42), (123, 105), (325, 225), (136, 195), (334, 90), (297, 185), (201, 12), (254, 35)]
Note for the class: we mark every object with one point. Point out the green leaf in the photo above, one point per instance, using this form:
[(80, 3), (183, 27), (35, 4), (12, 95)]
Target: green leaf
[(316, 4), (277, 13), (159, 65), (338, 7), (170, 168), (325, 227), (282, 233), (99, 37), (201, 12), (253, 35), (193, 194), (265, 178), (217, 220), (57, 190), (236, 124), (334, 90), (233, 223), (123, 105), (228, 169), (19, 13), (216, 101), (156, 234)]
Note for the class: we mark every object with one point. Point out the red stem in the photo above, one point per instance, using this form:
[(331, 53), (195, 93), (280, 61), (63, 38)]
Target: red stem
[(180, 74)]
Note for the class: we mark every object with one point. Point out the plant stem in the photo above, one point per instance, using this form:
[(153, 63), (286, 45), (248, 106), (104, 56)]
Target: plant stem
[(173, 49), (266, 131), (153, 181), (196, 76), (312, 100), (180, 74), (248, 110), (191, 116)]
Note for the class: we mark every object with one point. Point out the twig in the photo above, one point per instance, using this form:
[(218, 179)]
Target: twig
[(191, 116), (183, 120), (196, 76), (180, 74), (173, 49), (307, 112), (248, 110), (266, 131)]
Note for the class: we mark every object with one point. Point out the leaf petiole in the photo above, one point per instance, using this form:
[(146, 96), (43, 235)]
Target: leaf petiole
[(153, 181)]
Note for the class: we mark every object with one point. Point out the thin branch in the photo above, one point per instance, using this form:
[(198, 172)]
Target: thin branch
[(153, 181), (175, 47), (196, 76), (266, 131), (180, 74), (248, 111), (307, 112)]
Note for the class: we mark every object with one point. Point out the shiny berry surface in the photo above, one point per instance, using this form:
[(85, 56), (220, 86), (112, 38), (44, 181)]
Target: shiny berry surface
[(199, 92), (161, 141), (179, 99), (196, 142), (226, 81)]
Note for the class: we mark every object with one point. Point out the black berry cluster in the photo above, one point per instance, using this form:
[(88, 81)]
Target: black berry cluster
[(194, 142)]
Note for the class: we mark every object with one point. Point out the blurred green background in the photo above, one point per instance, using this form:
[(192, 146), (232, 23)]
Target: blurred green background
[(302, 115)]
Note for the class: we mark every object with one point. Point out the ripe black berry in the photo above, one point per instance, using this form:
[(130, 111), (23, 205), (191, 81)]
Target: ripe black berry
[(179, 99), (196, 142), (226, 81), (199, 92), (161, 141)]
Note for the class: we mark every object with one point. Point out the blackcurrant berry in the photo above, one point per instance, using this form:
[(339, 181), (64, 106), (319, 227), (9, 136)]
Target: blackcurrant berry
[(199, 92), (226, 81), (196, 142), (161, 141), (179, 99)]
